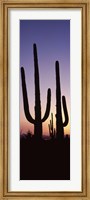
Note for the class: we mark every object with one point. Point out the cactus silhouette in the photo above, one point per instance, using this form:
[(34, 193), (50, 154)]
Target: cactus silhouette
[(37, 121), (54, 133), (51, 128), (59, 121)]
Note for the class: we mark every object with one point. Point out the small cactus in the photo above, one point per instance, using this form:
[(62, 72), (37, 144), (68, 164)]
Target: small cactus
[(51, 128)]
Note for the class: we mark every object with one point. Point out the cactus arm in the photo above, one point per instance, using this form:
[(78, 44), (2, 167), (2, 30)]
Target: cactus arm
[(48, 105), (65, 111), (25, 98)]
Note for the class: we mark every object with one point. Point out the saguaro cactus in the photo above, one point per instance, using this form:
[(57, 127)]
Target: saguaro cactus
[(51, 128), (52, 123), (37, 121), (59, 121)]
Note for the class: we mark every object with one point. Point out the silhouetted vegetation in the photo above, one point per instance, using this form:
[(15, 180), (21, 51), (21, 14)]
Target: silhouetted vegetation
[(37, 121), (51, 128), (41, 157), (59, 122)]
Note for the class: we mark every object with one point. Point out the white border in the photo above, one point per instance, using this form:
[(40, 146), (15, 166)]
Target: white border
[(74, 15)]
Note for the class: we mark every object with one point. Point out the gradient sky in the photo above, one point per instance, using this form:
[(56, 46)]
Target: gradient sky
[(52, 38)]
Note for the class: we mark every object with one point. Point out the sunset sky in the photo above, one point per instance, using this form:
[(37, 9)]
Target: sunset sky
[(52, 38)]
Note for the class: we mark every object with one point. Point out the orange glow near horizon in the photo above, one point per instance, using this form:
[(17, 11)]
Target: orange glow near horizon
[(25, 126)]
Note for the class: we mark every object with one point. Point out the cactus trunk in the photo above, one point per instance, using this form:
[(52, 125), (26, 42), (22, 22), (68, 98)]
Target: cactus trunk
[(38, 123), (59, 127), (59, 121)]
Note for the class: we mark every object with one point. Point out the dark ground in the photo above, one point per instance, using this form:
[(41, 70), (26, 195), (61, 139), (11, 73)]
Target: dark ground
[(44, 159)]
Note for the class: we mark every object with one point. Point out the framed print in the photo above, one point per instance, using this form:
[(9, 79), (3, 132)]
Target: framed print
[(44, 101)]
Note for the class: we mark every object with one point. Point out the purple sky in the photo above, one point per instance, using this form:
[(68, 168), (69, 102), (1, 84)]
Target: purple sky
[(52, 38)]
